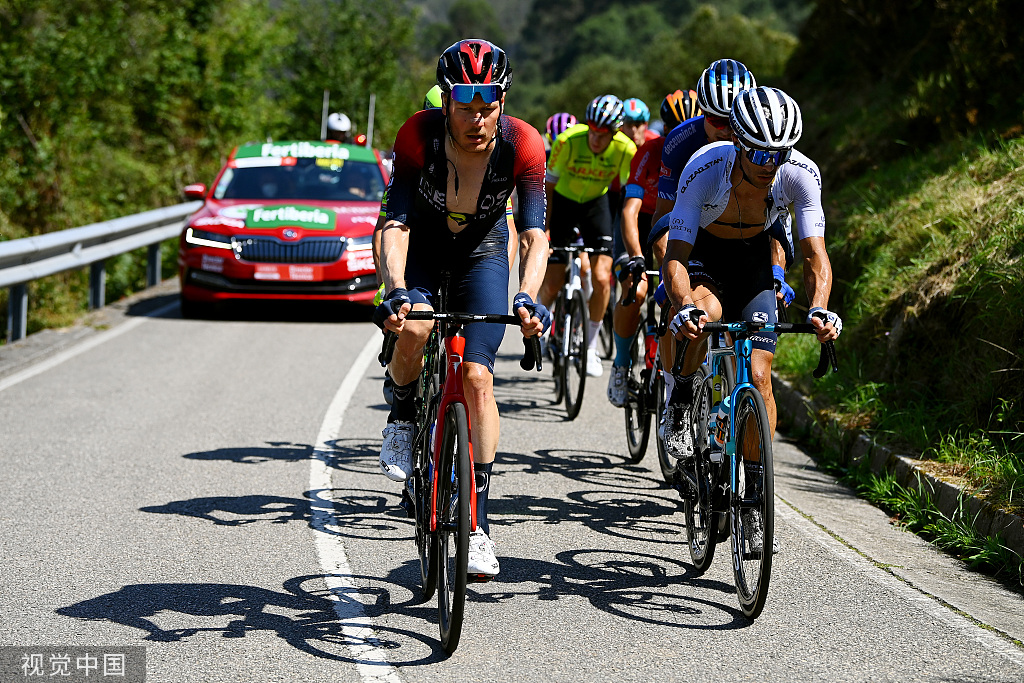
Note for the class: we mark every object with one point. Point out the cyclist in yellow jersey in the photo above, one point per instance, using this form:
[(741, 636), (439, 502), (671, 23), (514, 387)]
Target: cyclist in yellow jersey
[(584, 161)]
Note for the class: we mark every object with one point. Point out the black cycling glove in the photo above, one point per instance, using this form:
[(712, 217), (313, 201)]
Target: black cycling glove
[(390, 306)]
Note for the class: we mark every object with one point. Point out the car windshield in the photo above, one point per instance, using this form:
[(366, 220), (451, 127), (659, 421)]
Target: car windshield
[(316, 179)]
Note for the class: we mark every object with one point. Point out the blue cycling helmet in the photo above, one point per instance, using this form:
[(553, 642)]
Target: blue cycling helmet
[(635, 111)]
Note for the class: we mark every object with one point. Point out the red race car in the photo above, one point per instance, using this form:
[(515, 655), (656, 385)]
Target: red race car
[(284, 220)]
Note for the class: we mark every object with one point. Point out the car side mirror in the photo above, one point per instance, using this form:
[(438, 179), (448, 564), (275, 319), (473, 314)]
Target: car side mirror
[(195, 191)]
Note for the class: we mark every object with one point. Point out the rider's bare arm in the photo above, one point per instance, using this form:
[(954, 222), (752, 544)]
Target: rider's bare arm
[(394, 251), (677, 278), (630, 225)]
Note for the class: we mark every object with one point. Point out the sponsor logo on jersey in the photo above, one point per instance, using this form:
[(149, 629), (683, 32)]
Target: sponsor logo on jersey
[(706, 166), (810, 169)]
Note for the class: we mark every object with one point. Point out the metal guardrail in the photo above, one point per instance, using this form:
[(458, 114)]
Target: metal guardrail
[(30, 258)]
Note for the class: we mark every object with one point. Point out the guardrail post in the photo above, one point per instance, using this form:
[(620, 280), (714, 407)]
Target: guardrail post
[(153, 265), (97, 284), (17, 312)]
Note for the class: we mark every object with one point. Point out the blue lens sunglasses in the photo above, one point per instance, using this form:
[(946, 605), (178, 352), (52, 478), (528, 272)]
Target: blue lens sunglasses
[(465, 93), (762, 157)]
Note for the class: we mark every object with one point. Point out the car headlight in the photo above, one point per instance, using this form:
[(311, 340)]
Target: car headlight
[(205, 238), (359, 243)]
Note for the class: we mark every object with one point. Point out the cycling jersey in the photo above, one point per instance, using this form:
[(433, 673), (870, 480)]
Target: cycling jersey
[(740, 268), (419, 187), (705, 187), (681, 143), (581, 175), (644, 174), (384, 206), (477, 256)]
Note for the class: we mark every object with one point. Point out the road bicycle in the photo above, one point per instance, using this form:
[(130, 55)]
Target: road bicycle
[(645, 382), (440, 494), (567, 345), (728, 486)]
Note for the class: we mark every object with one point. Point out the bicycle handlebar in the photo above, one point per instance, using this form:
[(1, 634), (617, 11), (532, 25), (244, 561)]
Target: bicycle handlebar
[(531, 353), (828, 349), (631, 294)]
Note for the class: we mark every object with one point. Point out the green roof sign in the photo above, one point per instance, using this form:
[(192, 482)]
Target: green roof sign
[(306, 150)]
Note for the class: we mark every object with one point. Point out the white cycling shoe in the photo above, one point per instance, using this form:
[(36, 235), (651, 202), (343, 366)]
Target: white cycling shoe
[(594, 367), (481, 555), (396, 451), (617, 385)]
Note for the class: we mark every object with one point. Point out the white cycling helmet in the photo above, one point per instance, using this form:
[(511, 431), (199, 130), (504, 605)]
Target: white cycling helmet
[(339, 122), (766, 118), (720, 83), (606, 112)]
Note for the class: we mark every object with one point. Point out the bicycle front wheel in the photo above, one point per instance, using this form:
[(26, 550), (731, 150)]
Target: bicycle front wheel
[(454, 497), (752, 507), (574, 364), (637, 412), (665, 461)]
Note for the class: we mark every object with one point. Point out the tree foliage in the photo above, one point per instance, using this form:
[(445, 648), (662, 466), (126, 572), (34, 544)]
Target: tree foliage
[(109, 108)]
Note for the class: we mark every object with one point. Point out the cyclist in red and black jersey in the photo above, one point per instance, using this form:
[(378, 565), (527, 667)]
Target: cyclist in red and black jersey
[(454, 170)]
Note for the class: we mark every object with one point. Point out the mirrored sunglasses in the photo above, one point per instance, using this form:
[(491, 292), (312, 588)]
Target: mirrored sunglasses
[(762, 157), (465, 93)]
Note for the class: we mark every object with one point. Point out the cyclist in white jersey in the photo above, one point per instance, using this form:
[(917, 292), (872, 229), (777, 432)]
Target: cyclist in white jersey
[(719, 259)]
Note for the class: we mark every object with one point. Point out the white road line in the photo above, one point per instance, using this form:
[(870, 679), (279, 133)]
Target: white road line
[(371, 660), (87, 345), (866, 568)]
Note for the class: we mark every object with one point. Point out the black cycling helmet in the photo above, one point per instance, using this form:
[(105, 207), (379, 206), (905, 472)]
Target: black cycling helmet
[(678, 107), (474, 62)]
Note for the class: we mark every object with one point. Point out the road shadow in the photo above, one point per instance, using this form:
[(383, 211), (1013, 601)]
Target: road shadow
[(354, 455), (303, 614), (633, 586)]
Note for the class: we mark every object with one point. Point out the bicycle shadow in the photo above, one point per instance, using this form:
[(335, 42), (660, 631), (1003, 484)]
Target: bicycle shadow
[(629, 585), (352, 455), (329, 624), (584, 466), (357, 514)]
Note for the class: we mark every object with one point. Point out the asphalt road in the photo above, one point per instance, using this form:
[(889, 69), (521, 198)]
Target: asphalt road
[(209, 490)]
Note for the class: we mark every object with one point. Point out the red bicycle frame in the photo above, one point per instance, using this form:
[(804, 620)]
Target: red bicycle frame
[(454, 347)]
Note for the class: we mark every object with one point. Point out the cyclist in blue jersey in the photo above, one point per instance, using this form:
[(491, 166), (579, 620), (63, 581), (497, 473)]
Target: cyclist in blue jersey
[(719, 256)]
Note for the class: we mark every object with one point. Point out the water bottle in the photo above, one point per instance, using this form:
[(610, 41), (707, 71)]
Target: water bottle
[(650, 349), (722, 423)]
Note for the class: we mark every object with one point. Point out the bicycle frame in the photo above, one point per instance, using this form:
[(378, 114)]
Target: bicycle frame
[(451, 392)]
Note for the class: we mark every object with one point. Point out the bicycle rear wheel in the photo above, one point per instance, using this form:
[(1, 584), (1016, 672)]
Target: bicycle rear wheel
[(558, 327), (701, 521), (454, 486), (637, 413), (426, 542), (752, 507), (665, 461), (606, 338), (574, 364)]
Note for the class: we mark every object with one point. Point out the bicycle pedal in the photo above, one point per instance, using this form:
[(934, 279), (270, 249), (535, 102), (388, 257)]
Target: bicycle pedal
[(479, 578)]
